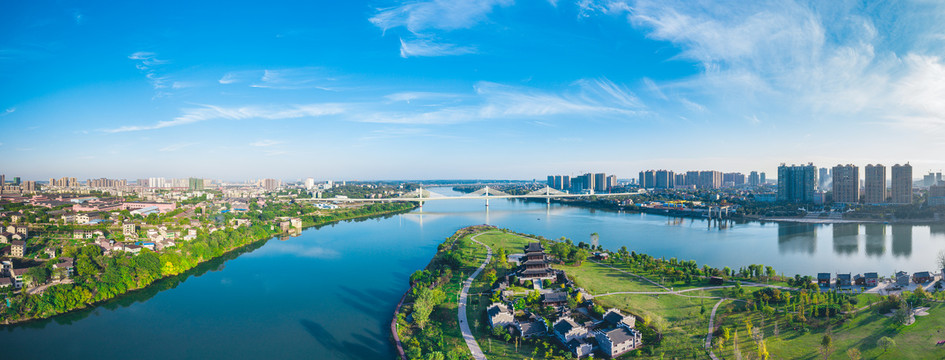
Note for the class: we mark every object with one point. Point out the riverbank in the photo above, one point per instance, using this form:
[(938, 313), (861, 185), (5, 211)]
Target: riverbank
[(139, 272)]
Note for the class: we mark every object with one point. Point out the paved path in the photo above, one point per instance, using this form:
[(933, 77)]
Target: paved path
[(708, 337), (393, 329), (463, 297)]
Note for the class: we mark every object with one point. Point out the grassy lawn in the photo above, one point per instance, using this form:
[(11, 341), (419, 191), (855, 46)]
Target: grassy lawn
[(916, 341), (600, 279), (679, 318)]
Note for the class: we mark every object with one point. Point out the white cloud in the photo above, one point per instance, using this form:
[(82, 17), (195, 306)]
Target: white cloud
[(422, 17), (436, 14), (284, 79), (806, 61), (421, 47), (147, 62), (265, 143), (175, 147), (590, 98), (408, 96), (210, 112), (8, 111)]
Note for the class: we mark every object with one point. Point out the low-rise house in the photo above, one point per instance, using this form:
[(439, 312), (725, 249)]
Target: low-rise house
[(19, 229), (17, 276), (902, 278), (615, 318), (871, 278), (922, 277), (566, 329), (134, 249), (534, 327), (191, 234), (558, 298), (844, 280), (5, 282), (51, 252), (17, 248), (129, 229), (64, 267), (859, 280), (499, 315), (823, 279), (618, 341)]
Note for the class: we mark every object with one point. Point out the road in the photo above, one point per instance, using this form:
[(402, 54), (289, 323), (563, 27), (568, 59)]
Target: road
[(463, 298)]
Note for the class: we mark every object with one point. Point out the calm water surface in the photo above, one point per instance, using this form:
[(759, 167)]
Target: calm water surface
[(329, 293)]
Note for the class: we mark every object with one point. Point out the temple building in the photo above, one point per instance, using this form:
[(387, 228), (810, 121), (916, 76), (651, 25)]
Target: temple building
[(535, 266)]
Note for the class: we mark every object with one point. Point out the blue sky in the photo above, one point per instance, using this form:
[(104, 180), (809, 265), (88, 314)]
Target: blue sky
[(465, 89)]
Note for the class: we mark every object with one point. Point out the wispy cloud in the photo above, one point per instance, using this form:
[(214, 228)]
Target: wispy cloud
[(436, 14), (175, 147), (78, 17), (8, 111), (284, 79), (423, 16), (408, 96), (147, 62), (265, 143), (591, 98), (422, 47), (834, 60), (211, 112)]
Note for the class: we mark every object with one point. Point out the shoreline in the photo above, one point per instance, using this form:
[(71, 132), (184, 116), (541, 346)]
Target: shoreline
[(87, 306)]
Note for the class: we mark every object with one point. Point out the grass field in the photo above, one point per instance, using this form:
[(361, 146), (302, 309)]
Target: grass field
[(916, 341)]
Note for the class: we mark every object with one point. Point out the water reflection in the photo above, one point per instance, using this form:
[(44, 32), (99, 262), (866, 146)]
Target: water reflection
[(875, 239), (845, 238), (902, 240), (797, 238)]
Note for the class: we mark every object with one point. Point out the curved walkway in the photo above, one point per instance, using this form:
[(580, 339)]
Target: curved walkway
[(463, 297), (708, 337)]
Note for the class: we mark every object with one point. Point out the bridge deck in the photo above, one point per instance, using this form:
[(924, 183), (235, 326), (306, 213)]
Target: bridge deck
[(554, 196)]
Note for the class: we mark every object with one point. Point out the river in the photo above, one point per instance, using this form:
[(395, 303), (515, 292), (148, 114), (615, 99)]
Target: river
[(330, 292)]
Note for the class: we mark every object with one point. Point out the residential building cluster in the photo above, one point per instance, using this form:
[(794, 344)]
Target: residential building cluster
[(805, 184), (702, 179), (588, 183)]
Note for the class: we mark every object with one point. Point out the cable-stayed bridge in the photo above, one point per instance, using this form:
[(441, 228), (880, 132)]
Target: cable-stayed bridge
[(422, 195)]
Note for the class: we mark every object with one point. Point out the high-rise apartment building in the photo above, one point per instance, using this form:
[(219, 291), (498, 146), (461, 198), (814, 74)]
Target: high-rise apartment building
[(600, 182), (665, 179), (709, 179), (796, 183), (648, 179), (195, 184), (611, 182), (823, 183), (846, 184), (901, 184), (692, 178), (680, 180), (271, 184), (875, 184), (753, 179), (762, 179)]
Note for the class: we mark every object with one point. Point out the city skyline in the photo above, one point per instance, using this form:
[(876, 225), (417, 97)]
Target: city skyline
[(465, 89)]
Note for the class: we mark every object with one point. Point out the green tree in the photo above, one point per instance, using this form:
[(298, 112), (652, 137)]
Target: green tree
[(854, 354), (825, 344), (886, 342)]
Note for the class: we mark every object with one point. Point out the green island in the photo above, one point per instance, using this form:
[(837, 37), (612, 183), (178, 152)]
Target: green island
[(63, 270), (756, 313)]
